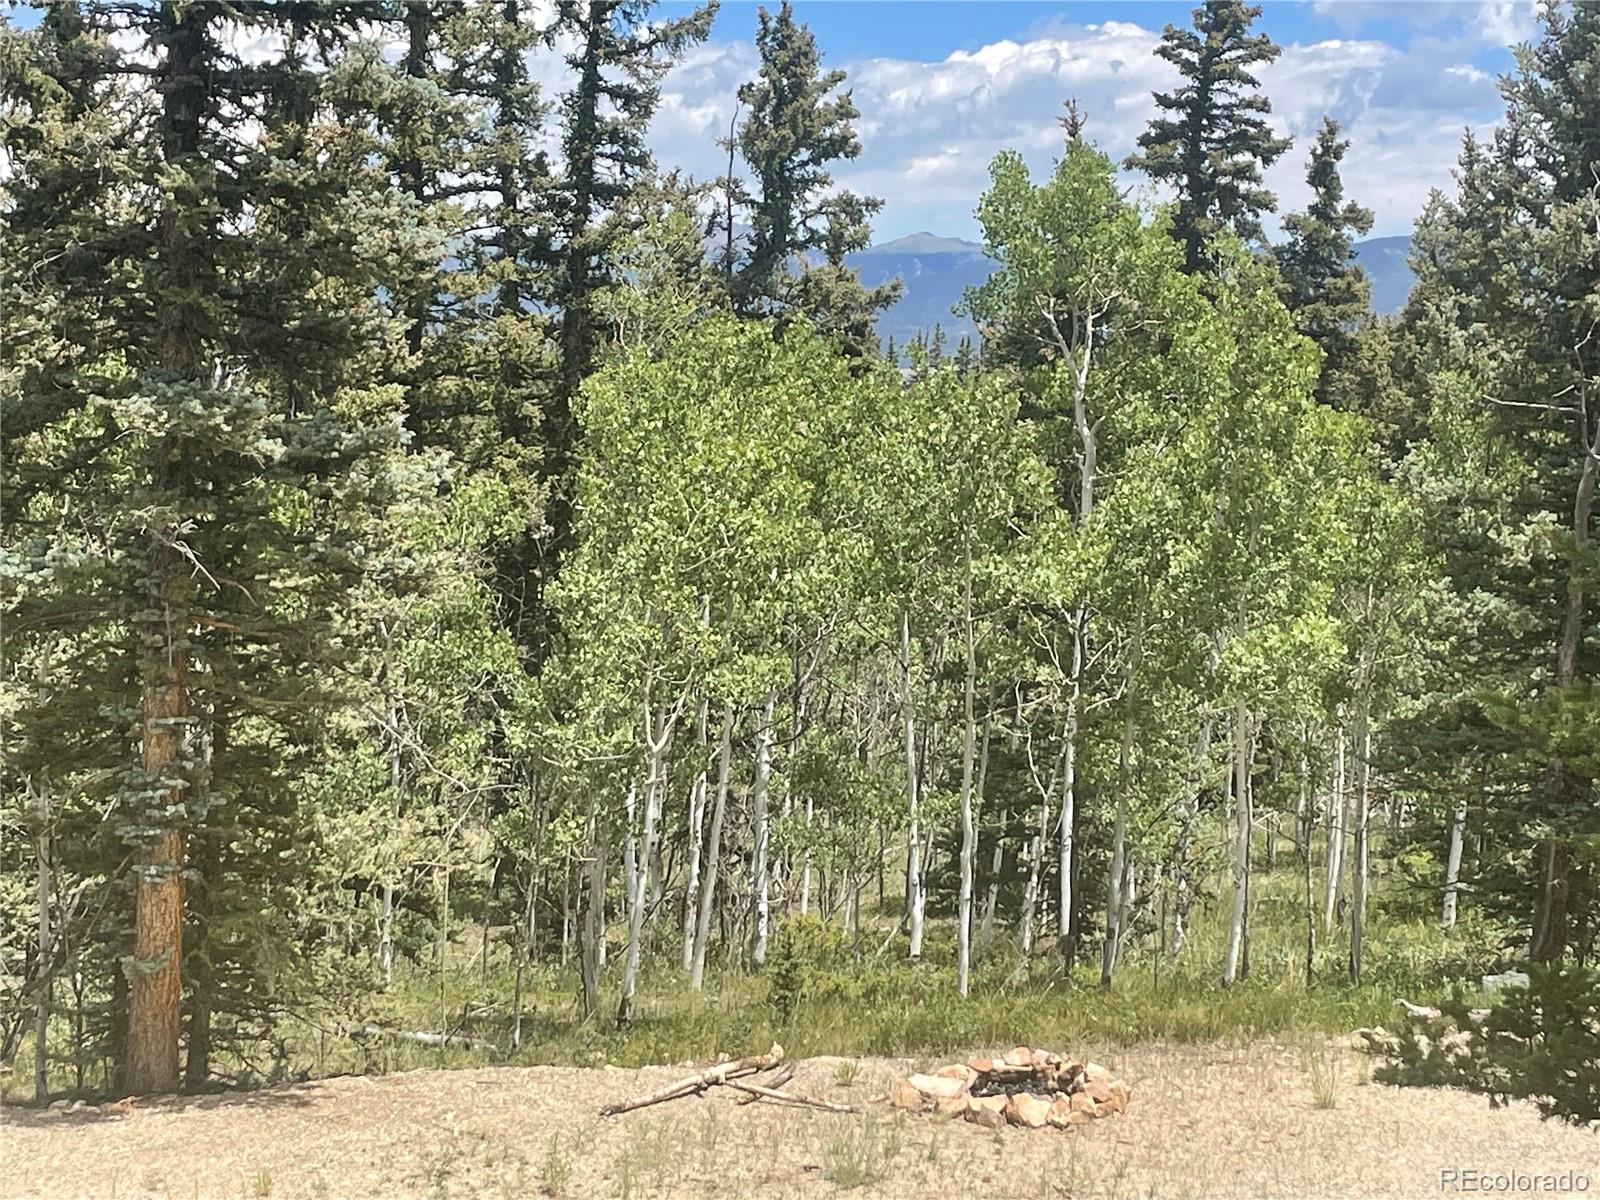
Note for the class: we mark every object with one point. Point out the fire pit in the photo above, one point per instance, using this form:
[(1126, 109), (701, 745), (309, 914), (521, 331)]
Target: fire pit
[(1031, 1088)]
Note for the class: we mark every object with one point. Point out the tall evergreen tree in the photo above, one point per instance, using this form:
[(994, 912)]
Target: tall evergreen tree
[(1211, 139), (617, 59), (802, 229), (195, 445), (1503, 357), (1323, 287)]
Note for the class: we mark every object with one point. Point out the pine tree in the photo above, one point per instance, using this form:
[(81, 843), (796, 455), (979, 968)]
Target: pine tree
[(1214, 140), (618, 59), (801, 230), (1327, 293), (1502, 358), (197, 449)]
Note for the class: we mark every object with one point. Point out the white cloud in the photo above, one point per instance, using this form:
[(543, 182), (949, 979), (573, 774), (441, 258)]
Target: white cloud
[(929, 130)]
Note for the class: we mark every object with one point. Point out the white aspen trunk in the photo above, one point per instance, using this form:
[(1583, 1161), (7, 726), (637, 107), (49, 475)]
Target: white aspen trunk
[(1117, 902), (992, 896), (631, 867), (914, 898), (1069, 791), (657, 737), (1302, 823), (1241, 860), (1358, 870), (969, 829), (1033, 890), (697, 818), (591, 930), (708, 881), (1334, 891), (1452, 866), (1182, 893), (760, 882), (1030, 892)]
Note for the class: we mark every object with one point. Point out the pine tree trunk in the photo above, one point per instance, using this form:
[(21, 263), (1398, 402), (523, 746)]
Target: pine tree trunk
[(1550, 918), (156, 971), (46, 972)]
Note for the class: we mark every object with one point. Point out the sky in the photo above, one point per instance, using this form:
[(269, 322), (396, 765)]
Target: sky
[(944, 85)]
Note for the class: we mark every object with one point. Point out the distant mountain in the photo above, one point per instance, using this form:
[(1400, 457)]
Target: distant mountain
[(936, 271), (1384, 261)]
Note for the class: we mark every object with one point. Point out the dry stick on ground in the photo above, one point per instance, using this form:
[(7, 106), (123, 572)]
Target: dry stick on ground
[(699, 1083), (756, 1091), (783, 1075)]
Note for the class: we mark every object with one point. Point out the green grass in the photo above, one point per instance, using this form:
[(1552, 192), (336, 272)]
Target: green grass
[(871, 1006), (854, 1004)]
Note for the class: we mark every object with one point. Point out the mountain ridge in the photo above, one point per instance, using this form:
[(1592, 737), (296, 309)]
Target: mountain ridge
[(935, 272)]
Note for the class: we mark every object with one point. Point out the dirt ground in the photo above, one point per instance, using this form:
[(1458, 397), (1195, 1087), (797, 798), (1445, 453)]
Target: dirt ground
[(1204, 1122)]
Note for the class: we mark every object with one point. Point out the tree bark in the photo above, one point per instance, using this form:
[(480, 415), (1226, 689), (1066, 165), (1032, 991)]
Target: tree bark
[(969, 752), (156, 970), (708, 881), (914, 897), (1117, 893), (1358, 872), (46, 952), (697, 818), (1334, 866), (1452, 865), (1550, 919), (1241, 858), (760, 881), (591, 936)]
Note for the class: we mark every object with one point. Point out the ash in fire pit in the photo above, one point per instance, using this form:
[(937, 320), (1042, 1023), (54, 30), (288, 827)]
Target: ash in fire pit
[(1032, 1088)]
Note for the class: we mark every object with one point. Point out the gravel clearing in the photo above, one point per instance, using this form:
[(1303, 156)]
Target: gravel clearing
[(1205, 1121)]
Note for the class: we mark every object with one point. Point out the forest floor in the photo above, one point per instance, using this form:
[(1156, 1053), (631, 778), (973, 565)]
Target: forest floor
[(1254, 1121)]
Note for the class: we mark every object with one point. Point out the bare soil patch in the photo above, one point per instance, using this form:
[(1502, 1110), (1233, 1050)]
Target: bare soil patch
[(1204, 1121)]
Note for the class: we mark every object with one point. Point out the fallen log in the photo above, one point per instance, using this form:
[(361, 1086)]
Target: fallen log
[(693, 1084), (781, 1077), (757, 1092), (426, 1038)]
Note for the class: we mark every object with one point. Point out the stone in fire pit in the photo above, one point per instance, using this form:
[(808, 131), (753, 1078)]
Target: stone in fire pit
[(1031, 1088)]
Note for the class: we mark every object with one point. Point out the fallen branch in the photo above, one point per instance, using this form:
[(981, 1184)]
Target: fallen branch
[(425, 1038), (756, 1091), (695, 1084), (783, 1075)]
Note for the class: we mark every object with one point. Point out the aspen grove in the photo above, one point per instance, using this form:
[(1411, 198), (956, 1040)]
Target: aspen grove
[(461, 577)]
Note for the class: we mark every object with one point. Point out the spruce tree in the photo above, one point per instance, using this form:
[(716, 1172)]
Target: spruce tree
[(801, 230), (1212, 140), (1502, 357), (197, 447), (617, 60), (1323, 287)]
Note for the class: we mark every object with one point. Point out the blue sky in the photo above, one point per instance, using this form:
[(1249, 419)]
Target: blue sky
[(945, 85)]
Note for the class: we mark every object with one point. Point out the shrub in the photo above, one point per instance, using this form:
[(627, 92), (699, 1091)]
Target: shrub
[(1539, 1043)]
